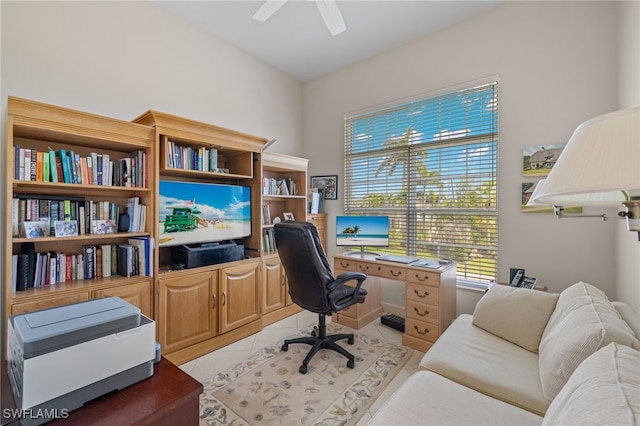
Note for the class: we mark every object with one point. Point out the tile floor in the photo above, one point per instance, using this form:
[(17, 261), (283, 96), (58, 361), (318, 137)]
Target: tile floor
[(225, 358)]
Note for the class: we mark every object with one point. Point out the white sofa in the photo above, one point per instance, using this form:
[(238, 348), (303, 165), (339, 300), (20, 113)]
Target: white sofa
[(528, 358)]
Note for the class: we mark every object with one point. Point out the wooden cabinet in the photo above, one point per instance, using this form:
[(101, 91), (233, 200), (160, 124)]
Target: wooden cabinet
[(138, 294), (51, 131), (320, 221), (187, 309), (240, 295), (274, 285)]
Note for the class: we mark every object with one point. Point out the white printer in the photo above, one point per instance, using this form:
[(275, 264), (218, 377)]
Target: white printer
[(63, 357)]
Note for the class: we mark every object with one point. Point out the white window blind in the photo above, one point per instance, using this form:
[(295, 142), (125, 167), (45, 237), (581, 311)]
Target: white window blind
[(431, 166)]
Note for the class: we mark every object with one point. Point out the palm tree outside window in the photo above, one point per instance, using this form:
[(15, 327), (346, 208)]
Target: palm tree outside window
[(431, 166)]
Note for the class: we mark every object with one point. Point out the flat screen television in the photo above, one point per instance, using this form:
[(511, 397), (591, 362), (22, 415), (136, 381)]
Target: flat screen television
[(195, 212), (362, 231)]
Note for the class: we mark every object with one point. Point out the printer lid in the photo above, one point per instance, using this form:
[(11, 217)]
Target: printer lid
[(53, 329)]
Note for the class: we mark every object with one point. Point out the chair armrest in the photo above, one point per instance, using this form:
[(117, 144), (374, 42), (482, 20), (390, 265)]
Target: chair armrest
[(343, 279)]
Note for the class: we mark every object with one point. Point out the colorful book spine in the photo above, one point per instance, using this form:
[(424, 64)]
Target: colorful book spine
[(52, 166)]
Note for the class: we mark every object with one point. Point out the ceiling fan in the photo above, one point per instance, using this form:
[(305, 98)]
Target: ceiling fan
[(328, 10)]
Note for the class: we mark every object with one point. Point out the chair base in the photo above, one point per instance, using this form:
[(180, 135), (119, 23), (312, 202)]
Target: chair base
[(322, 341)]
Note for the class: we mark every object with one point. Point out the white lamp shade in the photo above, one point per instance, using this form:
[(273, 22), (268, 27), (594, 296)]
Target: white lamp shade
[(601, 160)]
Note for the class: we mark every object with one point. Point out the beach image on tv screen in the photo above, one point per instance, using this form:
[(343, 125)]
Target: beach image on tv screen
[(362, 231), (198, 212)]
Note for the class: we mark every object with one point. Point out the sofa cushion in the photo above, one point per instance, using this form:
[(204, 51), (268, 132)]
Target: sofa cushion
[(427, 398), (604, 389), (487, 363), (583, 322), (629, 316), (518, 315)]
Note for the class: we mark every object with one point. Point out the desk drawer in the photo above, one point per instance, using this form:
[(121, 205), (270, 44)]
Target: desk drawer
[(423, 277), (421, 330), (383, 271), (344, 265), (422, 312), (423, 293)]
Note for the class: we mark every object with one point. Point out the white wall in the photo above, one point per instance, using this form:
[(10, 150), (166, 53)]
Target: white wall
[(557, 67), (627, 243)]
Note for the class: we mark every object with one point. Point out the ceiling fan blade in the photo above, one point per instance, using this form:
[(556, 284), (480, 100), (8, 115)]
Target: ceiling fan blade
[(268, 8), (331, 15)]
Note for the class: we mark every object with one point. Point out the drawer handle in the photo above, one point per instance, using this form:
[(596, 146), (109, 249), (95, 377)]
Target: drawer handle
[(426, 330), (426, 277), (396, 274), (344, 265), (366, 268), (422, 314), (426, 293)]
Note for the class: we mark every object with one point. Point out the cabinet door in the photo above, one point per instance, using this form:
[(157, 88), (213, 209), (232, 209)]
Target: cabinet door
[(187, 310), (239, 295), (50, 302), (274, 285), (138, 294)]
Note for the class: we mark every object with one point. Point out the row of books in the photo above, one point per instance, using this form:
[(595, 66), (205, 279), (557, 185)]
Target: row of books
[(314, 201), (49, 209), (38, 269), (186, 157), (268, 241), (284, 186), (66, 166)]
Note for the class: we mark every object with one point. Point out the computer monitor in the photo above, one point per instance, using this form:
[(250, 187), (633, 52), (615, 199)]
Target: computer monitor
[(362, 231)]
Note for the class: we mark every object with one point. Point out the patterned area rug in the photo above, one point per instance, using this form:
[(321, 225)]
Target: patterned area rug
[(268, 389)]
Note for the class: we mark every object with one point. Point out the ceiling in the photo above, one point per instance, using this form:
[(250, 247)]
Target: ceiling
[(296, 41)]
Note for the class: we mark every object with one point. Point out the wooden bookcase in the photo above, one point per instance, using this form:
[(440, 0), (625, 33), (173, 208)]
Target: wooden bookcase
[(277, 170), (202, 309), (41, 127)]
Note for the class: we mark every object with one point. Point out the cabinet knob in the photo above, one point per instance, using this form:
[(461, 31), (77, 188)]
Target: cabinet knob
[(426, 293)]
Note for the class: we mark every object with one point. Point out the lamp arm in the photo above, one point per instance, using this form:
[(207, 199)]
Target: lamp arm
[(559, 211)]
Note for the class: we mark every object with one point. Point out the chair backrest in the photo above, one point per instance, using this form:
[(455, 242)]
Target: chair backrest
[(305, 264)]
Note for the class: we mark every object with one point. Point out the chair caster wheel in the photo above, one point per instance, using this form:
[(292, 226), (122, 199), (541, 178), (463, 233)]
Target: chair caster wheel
[(303, 369), (350, 340), (284, 347), (351, 363)]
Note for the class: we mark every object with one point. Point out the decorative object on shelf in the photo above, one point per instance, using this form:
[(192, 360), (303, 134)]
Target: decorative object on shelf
[(276, 220), (36, 228), (66, 228), (287, 216), (327, 184), (599, 166)]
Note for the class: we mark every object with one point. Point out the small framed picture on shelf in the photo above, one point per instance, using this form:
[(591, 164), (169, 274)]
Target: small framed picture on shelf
[(100, 227), (66, 228), (288, 216), (35, 229)]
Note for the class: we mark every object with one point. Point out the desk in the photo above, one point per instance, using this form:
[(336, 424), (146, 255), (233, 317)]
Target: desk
[(430, 297), (169, 397)]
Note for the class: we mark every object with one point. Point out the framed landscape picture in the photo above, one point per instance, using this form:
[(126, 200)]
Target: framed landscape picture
[(538, 160), (327, 184)]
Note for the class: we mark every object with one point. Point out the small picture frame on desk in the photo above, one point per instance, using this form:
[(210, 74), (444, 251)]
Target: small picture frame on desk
[(528, 282), (66, 228)]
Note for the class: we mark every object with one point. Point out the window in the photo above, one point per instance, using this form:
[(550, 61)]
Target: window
[(431, 166)]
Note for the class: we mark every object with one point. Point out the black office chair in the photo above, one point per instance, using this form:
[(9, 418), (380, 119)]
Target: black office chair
[(312, 286)]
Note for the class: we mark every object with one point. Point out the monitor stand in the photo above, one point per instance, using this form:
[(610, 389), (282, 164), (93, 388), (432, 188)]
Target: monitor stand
[(361, 252)]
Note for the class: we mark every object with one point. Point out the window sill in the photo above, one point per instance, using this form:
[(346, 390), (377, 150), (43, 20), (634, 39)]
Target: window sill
[(472, 285)]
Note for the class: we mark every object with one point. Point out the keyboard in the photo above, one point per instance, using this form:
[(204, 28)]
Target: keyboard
[(397, 258)]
